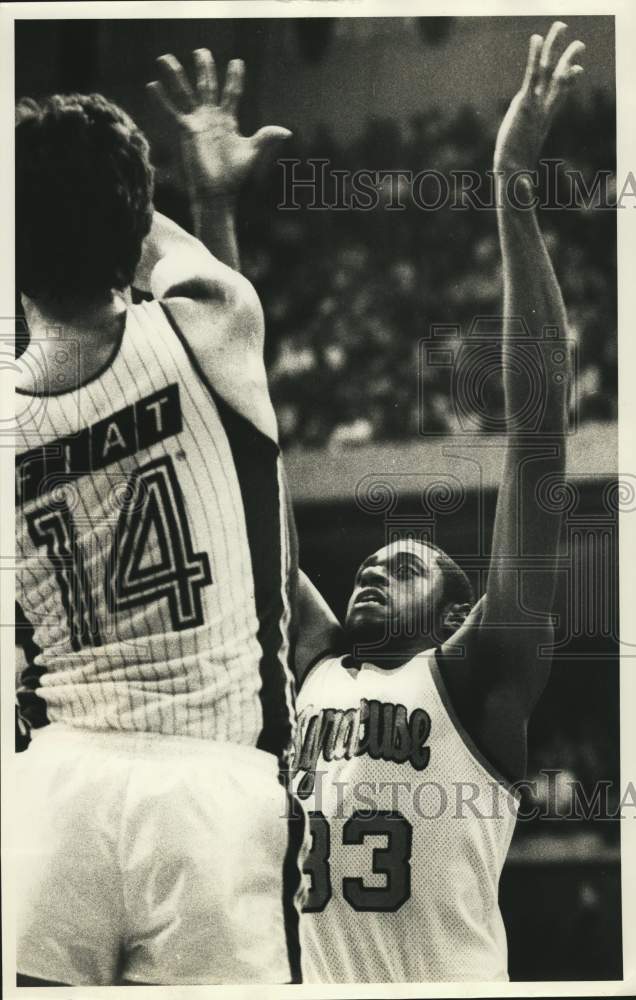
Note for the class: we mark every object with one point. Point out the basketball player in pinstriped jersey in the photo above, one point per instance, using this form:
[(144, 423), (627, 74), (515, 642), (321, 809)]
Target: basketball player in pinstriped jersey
[(432, 700), (156, 563)]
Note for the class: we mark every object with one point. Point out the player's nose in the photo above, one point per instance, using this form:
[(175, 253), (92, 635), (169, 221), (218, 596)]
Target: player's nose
[(373, 576)]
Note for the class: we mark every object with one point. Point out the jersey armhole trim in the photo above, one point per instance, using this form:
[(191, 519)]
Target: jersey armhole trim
[(465, 736), (314, 663)]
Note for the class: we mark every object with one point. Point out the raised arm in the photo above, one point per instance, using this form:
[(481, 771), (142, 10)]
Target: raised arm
[(508, 663), (319, 631), (216, 157), (216, 312), (174, 262), (535, 355), (213, 307)]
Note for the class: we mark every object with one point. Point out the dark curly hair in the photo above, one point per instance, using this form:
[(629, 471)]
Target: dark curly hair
[(84, 187)]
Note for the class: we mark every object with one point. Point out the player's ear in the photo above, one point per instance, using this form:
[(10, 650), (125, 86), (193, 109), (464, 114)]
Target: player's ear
[(455, 615)]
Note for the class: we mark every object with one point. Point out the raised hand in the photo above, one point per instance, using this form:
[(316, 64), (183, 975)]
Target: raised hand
[(217, 157), (548, 79)]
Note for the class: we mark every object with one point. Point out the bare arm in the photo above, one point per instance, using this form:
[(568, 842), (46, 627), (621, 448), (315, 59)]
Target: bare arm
[(216, 157), (172, 257), (213, 307), (522, 574), (506, 667), (319, 631), (215, 304)]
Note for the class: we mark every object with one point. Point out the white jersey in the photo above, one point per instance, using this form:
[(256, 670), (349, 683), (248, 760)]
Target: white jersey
[(154, 557), (410, 830)]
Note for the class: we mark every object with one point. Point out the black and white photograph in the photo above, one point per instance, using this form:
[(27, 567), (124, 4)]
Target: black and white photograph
[(313, 662)]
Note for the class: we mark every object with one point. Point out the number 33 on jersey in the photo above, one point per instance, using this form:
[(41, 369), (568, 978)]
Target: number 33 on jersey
[(409, 826)]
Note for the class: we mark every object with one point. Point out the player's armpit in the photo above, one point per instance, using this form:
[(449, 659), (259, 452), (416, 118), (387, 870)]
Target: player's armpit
[(510, 661), (459, 643), (493, 682), (459, 658), (319, 631)]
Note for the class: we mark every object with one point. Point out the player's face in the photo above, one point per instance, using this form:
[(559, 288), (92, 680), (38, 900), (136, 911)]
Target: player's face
[(396, 592)]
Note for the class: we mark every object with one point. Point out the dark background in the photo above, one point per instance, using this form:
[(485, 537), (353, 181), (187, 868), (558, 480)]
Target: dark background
[(347, 297)]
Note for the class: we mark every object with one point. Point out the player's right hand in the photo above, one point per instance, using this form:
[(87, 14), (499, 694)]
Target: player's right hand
[(217, 157), (546, 82)]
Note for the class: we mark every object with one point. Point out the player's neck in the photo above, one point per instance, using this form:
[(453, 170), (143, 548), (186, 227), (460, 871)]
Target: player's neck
[(92, 319), (392, 654), (95, 329)]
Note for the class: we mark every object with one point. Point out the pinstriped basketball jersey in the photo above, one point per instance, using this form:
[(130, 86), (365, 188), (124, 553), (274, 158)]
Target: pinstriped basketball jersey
[(154, 554), (410, 829)]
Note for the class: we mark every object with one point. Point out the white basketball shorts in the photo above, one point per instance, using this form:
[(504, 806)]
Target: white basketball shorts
[(154, 859)]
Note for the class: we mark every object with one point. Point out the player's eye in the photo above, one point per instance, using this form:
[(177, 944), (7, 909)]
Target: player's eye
[(405, 571)]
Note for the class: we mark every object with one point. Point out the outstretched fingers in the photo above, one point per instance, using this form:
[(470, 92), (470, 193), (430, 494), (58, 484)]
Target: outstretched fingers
[(161, 99), (233, 89), (531, 78), (175, 95), (206, 80), (176, 83), (548, 53), (566, 72)]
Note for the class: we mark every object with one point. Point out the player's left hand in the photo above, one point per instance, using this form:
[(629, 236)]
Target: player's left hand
[(547, 81), (217, 157)]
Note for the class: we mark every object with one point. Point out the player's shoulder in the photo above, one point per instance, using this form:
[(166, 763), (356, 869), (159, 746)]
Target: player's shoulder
[(223, 339), (221, 306)]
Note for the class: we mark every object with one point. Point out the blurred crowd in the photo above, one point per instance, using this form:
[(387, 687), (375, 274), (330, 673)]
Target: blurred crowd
[(350, 294)]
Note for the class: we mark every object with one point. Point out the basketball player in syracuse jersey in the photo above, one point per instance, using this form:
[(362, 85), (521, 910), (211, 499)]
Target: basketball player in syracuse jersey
[(404, 880), (155, 562)]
